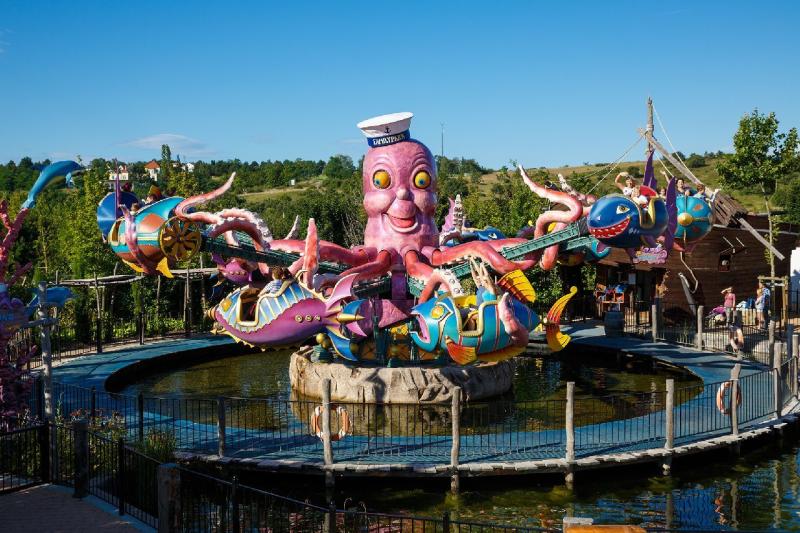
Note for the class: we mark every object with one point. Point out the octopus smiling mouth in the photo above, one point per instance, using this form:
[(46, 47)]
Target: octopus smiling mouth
[(609, 232), (403, 225)]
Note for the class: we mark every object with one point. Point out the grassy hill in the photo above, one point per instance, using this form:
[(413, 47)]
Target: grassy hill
[(707, 174)]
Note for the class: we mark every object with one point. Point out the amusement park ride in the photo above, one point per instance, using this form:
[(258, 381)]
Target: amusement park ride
[(398, 297)]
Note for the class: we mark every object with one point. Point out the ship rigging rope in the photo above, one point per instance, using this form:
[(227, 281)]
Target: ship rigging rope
[(675, 153), (613, 165)]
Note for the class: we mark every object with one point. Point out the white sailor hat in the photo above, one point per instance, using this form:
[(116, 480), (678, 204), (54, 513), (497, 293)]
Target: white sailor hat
[(386, 129)]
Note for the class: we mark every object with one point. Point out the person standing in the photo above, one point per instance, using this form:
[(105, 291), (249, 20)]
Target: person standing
[(729, 304), (761, 322), (767, 301)]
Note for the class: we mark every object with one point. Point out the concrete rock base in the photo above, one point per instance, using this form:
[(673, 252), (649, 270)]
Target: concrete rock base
[(399, 385)]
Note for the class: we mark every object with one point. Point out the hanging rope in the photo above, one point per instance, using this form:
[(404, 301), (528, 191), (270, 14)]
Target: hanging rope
[(694, 278), (661, 160), (613, 165), (675, 153)]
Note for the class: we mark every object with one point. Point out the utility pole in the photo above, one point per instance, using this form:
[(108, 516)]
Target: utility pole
[(442, 152)]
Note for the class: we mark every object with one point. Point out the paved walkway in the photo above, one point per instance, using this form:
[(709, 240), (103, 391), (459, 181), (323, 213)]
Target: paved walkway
[(52, 509)]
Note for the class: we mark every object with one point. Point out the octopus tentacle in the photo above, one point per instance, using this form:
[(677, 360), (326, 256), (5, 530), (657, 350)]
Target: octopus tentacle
[(485, 250), (329, 251), (199, 199), (516, 331), (371, 269), (573, 213), (433, 279)]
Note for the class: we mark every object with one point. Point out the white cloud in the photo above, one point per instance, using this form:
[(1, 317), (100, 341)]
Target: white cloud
[(179, 144)]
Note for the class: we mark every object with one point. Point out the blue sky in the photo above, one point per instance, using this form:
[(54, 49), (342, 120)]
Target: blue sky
[(543, 83)]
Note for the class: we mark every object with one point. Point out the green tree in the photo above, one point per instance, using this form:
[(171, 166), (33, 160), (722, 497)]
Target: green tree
[(762, 156), (86, 251), (339, 167), (166, 164)]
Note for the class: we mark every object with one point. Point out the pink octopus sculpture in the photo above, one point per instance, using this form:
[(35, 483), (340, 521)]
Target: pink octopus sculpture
[(401, 235)]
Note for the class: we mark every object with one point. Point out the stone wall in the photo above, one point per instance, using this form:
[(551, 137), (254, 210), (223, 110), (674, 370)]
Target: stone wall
[(399, 385)]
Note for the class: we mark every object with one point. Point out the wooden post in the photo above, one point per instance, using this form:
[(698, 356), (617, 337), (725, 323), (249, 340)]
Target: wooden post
[(169, 501), (569, 427), (327, 450), (734, 398), (669, 430), (669, 407), (654, 321), (771, 343), (777, 377), (795, 362), (455, 450), (140, 305), (81, 451), (99, 322), (698, 340), (187, 306), (221, 426)]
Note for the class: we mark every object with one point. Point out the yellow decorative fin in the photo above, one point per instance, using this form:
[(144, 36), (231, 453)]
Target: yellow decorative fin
[(555, 339), (462, 355), (163, 267), (134, 266), (501, 355), (518, 285)]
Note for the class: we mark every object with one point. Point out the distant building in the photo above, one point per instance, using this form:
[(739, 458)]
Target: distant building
[(122, 171), (153, 169)]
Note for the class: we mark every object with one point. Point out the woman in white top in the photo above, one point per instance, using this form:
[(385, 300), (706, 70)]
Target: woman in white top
[(628, 188)]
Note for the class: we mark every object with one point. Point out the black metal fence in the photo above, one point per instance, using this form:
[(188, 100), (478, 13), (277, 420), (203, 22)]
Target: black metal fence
[(119, 474), (68, 339)]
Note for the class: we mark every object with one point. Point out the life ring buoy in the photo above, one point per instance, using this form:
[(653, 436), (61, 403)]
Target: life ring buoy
[(345, 426), (721, 404), (737, 340)]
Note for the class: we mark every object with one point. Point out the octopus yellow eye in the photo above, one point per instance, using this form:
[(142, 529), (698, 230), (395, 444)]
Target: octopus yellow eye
[(621, 209), (422, 180), (381, 179)]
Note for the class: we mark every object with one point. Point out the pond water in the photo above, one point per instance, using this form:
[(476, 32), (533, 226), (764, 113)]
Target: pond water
[(754, 492), (266, 375)]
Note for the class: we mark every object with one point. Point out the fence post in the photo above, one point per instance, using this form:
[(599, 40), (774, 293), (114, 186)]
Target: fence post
[(221, 426), (669, 430), (795, 361), (655, 322), (44, 452), (93, 404), (737, 368), (141, 326), (121, 475), (446, 522), (777, 390), (327, 450), (81, 451), (771, 343), (140, 409), (569, 426), (330, 518), (455, 449), (235, 505), (698, 340), (169, 502)]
